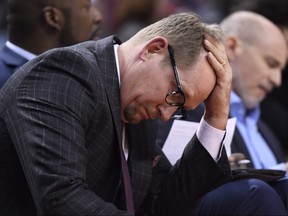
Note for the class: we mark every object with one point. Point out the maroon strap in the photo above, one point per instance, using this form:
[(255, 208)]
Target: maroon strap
[(127, 184)]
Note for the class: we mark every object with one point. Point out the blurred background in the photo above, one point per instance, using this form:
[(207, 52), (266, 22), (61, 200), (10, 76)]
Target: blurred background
[(3, 22), (125, 17)]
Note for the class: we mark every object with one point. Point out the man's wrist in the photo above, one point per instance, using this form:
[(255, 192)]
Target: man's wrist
[(211, 138)]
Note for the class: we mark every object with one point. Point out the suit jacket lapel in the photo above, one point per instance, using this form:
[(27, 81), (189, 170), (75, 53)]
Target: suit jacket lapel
[(105, 57), (141, 140), (272, 141), (238, 145), (139, 169), (108, 69)]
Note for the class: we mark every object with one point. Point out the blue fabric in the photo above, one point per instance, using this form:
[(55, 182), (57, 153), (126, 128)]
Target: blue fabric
[(252, 196), (9, 63), (259, 150)]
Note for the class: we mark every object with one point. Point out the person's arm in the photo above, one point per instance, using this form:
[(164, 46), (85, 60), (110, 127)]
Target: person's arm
[(211, 138), (213, 125), (196, 172), (217, 105), (281, 166)]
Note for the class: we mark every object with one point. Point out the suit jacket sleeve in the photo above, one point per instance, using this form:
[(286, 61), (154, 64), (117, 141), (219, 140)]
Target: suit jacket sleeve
[(48, 119), (194, 174)]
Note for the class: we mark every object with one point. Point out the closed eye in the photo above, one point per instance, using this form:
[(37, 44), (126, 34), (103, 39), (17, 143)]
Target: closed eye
[(272, 62)]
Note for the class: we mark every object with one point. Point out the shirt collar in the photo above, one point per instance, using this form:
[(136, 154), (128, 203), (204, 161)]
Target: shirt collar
[(24, 53), (117, 61), (237, 109)]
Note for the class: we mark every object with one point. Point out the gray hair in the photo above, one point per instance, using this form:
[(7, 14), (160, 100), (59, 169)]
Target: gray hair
[(185, 32)]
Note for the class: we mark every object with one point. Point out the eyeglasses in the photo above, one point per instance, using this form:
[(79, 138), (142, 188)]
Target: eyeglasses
[(176, 98)]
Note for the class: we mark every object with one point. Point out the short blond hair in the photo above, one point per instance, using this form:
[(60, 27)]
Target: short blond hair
[(185, 32)]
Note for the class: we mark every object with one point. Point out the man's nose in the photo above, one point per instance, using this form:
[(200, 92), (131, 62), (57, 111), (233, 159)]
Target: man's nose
[(276, 78), (97, 15)]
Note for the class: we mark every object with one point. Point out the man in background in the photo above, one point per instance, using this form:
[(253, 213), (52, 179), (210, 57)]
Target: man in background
[(35, 26), (274, 108)]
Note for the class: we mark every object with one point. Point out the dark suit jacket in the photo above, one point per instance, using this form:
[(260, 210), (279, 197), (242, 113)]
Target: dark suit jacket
[(237, 145), (9, 62), (61, 132), (274, 111)]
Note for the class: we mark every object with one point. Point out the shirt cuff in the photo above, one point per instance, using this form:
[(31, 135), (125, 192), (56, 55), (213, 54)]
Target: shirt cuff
[(211, 138), (280, 166)]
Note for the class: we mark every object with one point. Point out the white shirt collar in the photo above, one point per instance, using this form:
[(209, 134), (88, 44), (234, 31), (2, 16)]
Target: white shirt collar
[(24, 53), (117, 61)]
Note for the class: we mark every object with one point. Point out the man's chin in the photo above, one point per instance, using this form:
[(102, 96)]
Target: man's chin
[(135, 121), (127, 119)]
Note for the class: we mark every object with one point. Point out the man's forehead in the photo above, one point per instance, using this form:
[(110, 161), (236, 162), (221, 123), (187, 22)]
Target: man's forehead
[(201, 61)]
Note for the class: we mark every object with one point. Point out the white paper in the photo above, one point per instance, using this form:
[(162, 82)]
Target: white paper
[(231, 124), (182, 131)]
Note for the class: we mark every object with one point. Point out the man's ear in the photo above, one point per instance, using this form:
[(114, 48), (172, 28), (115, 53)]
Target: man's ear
[(156, 45), (233, 46), (53, 17)]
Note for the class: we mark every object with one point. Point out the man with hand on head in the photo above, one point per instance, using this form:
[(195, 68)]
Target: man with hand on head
[(35, 26), (69, 117), (257, 52), (257, 56)]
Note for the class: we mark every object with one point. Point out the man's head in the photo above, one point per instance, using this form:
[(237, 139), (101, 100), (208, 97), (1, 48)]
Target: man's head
[(185, 32), (146, 67), (257, 53), (38, 25)]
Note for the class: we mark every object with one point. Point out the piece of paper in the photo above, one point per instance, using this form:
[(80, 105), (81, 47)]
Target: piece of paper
[(182, 131)]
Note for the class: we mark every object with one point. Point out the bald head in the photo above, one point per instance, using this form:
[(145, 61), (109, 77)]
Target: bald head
[(249, 26), (257, 52)]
